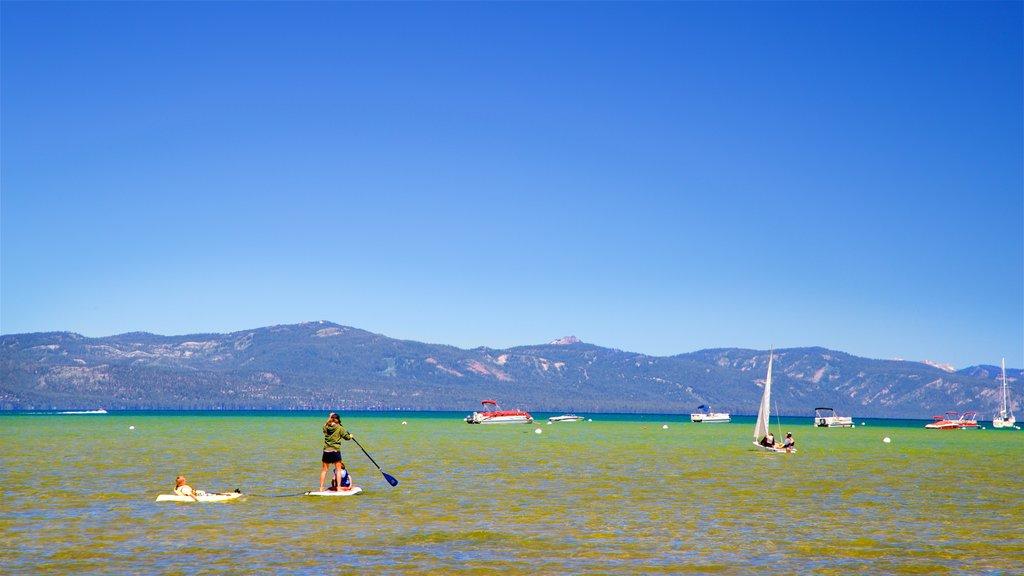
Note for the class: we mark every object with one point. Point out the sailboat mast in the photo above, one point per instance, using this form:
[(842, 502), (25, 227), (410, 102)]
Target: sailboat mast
[(1003, 413)]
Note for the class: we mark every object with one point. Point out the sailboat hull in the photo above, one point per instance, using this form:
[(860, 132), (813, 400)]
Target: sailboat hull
[(774, 449)]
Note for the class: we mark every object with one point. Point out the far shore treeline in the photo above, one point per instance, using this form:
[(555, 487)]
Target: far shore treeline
[(320, 365)]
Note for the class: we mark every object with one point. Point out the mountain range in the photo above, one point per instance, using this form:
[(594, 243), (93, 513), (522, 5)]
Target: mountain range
[(322, 365)]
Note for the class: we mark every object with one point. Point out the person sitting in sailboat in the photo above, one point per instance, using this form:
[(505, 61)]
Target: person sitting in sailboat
[(789, 443), (768, 441)]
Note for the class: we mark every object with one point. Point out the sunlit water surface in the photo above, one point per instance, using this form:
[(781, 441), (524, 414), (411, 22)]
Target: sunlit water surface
[(618, 495)]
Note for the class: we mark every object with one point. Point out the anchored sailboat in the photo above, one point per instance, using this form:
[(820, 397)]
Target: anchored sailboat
[(764, 415), (1005, 419)]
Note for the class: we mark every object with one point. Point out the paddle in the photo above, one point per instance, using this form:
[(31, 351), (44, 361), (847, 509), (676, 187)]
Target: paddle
[(391, 479)]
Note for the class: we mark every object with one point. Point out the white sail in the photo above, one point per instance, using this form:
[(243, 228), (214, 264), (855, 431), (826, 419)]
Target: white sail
[(1004, 420), (761, 427)]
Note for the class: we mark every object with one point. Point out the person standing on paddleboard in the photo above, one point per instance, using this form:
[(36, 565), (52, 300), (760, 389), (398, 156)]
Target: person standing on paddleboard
[(334, 433)]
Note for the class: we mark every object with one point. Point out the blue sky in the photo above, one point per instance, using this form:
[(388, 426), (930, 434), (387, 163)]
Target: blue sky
[(656, 177)]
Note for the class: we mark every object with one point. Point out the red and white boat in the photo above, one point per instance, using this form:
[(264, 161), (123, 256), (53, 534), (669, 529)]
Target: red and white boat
[(495, 415), (954, 421), (968, 420)]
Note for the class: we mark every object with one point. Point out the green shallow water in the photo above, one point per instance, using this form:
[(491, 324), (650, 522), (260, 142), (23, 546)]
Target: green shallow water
[(619, 495)]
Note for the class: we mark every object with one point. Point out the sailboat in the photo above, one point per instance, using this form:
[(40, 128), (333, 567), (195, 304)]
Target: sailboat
[(1002, 420), (764, 414)]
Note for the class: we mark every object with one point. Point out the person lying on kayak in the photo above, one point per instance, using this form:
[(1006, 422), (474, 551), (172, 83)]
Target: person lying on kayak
[(183, 489), (334, 433)]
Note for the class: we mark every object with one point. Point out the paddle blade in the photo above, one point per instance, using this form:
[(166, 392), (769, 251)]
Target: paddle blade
[(391, 479)]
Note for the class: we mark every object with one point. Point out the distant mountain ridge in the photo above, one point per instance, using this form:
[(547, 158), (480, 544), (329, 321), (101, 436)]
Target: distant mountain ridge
[(321, 365)]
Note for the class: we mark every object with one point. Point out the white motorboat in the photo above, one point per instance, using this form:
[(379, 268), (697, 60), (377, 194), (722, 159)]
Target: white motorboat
[(706, 416), (565, 418), (1005, 419), (827, 418), (498, 416)]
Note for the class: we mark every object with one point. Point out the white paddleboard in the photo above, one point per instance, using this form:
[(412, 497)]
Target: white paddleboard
[(199, 498), (350, 492)]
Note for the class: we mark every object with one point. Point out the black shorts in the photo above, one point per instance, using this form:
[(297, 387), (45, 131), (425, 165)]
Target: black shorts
[(330, 457)]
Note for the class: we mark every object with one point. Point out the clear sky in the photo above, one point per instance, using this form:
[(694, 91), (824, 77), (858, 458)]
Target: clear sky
[(658, 177)]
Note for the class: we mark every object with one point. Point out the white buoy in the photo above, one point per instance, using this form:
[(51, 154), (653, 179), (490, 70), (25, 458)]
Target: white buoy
[(664, 427), (590, 420), (131, 427), (404, 423), (538, 431), (886, 440)]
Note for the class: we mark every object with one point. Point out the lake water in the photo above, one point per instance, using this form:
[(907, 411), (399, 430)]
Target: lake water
[(618, 495)]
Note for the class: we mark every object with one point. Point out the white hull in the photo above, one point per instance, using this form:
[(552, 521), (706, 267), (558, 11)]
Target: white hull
[(998, 422), (566, 418), (834, 422), (777, 449), (712, 418), (350, 492), (199, 498)]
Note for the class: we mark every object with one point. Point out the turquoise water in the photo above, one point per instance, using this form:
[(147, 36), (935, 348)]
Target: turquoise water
[(618, 495)]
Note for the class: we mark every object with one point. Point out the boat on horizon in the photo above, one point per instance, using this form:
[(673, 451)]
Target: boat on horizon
[(100, 411), (827, 418), (706, 416), (1002, 420), (954, 421), (565, 418), (498, 416)]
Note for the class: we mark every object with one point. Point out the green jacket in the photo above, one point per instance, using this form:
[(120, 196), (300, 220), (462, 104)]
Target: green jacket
[(333, 435)]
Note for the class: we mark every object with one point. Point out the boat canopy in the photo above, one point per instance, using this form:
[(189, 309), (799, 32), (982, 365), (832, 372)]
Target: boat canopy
[(489, 402)]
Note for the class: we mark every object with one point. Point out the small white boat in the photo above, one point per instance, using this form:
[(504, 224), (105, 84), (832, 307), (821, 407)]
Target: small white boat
[(498, 416), (1005, 419), (704, 415), (565, 418), (827, 418), (100, 411), (764, 416)]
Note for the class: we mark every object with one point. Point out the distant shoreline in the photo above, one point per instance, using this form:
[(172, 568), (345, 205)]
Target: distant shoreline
[(539, 416)]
